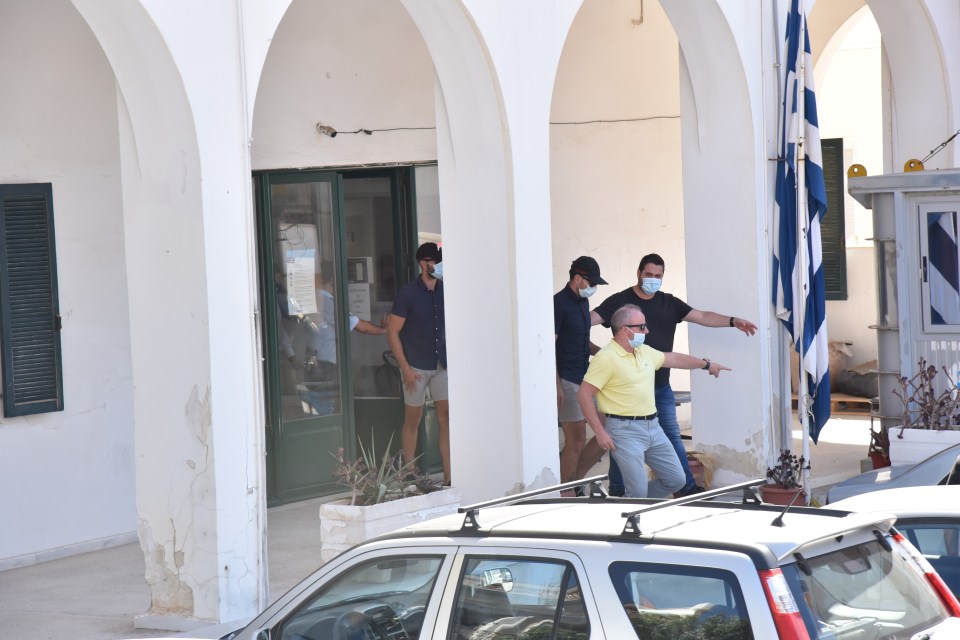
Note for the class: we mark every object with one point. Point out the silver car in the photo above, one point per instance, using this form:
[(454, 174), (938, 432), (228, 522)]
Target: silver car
[(530, 567), (929, 517)]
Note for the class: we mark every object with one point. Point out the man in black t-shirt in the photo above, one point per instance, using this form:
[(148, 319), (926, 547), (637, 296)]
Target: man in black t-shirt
[(663, 313)]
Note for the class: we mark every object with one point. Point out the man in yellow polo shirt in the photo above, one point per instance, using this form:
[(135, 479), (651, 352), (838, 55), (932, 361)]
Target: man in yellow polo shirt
[(621, 377)]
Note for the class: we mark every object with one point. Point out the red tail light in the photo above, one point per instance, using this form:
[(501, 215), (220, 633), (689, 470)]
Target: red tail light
[(786, 615), (949, 600)]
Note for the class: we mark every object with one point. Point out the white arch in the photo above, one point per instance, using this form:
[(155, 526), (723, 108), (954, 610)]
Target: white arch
[(728, 128), (490, 80), (194, 365), (925, 110)]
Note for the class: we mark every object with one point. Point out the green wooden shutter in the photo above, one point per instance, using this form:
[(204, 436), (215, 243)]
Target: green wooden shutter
[(833, 235), (29, 311)]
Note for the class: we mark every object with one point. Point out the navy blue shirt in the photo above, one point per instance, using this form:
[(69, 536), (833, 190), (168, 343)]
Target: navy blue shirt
[(424, 334), (663, 313), (571, 324)]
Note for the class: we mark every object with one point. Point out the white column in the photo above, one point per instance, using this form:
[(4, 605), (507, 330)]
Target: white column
[(493, 150), (189, 252), (727, 80)]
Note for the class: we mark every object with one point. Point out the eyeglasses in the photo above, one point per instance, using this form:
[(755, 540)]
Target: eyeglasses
[(637, 327)]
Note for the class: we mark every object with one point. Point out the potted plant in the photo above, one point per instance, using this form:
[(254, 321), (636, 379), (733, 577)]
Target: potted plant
[(785, 480), (384, 494), (931, 414), (879, 448)]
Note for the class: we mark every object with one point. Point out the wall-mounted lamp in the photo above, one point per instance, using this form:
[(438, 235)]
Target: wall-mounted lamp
[(326, 130)]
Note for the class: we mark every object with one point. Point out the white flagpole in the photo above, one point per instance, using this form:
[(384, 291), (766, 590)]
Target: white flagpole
[(800, 290)]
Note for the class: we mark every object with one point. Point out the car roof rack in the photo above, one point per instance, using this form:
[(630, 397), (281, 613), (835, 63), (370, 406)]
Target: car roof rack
[(632, 526), (470, 522)]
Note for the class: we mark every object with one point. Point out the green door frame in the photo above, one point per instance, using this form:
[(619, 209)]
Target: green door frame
[(403, 197), (278, 491)]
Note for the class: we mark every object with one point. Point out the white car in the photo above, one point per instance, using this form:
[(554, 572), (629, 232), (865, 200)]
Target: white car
[(530, 567), (929, 517), (941, 468)]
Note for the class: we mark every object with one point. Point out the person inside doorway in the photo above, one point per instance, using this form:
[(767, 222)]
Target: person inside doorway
[(321, 372), (416, 333)]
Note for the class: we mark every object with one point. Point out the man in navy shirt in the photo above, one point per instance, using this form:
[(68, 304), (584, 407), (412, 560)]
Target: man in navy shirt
[(571, 327), (416, 333), (663, 313)]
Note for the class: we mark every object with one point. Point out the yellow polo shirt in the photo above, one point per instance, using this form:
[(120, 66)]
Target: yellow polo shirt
[(625, 379)]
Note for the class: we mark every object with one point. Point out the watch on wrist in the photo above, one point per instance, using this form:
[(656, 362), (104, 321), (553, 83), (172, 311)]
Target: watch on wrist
[(706, 367), (732, 318)]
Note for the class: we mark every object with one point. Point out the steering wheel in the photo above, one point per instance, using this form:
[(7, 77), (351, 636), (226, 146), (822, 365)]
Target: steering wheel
[(353, 625)]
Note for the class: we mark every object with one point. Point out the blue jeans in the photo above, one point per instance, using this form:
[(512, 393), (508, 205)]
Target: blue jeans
[(667, 415), (639, 441)]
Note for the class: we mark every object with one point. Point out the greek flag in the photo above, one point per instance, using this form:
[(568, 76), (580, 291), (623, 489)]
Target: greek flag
[(798, 289)]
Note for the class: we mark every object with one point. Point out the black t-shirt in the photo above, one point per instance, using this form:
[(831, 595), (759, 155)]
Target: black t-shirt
[(571, 324), (663, 313)]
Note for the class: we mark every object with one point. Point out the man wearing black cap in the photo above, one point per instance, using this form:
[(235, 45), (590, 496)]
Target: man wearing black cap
[(571, 327), (416, 333)]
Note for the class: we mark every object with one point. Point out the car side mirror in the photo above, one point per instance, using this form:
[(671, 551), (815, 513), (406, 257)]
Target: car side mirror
[(498, 576)]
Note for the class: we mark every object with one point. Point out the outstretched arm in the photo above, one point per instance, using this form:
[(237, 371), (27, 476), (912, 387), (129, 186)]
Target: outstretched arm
[(712, 319), (365, 326), (683, 361)]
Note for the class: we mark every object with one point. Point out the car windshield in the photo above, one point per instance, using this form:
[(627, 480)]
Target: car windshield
[(864, 591), (940, 468)]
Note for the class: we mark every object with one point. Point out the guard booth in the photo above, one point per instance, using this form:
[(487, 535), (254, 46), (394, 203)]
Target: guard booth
[(916, 216)]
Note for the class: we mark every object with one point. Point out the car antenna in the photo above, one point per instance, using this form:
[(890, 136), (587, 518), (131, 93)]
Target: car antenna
[(778, 521), (470, 522)]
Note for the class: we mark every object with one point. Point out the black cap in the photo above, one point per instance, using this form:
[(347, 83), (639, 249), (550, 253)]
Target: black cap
[(587, 267), (429, 251)]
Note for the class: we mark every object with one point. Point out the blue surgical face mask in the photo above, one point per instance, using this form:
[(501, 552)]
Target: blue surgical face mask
[(651, 285), (637, 339), (438, 271), (587, 292)]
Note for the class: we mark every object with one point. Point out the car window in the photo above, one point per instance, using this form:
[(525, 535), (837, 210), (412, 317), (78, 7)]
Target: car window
[(382, 598), (939, 542), (508, 597), (666, 602), (868, 590)]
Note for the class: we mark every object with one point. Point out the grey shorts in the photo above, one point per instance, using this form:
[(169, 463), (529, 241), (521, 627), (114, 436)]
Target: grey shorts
[(434, 379), (569, 411)]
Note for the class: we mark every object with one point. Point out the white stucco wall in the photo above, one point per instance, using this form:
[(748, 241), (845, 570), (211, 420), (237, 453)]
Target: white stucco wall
[(350, 65), (616, 186), (74, 470)]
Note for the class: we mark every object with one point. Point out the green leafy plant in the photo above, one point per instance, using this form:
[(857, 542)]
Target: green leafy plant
[(787, 472), (372, 480), (928, 404)]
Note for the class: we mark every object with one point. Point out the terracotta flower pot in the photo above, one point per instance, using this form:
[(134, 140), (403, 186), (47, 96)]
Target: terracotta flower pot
[(777, 495), (696, 468), (879, 460)]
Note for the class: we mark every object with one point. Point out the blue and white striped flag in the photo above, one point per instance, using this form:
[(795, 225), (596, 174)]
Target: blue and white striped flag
[(943, 242), (791, 288)]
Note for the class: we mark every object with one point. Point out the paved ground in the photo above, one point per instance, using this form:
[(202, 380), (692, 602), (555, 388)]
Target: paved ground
[(95, 596)]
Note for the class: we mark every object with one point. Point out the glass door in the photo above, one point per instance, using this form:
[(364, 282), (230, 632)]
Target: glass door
[(374, 273), (335, 247), (304, 320)]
